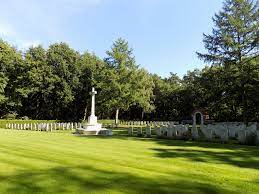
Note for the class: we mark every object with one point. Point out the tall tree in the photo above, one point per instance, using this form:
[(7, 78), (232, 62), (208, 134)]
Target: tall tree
[(142, 85), (90, 68), (123, 83), (122, 65), (12, 69), (64, 64), (234, 42), (39, 85)]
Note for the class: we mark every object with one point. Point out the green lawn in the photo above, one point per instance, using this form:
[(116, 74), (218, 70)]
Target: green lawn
[(61, 162)]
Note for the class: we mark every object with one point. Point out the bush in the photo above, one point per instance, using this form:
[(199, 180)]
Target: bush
[(10, 116), (25, 118)]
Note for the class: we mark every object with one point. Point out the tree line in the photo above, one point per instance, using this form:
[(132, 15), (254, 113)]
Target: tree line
[(54, 83)]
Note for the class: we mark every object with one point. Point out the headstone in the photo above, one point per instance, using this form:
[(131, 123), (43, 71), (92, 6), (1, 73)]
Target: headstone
[(207, 132), (194, 132), (183, 131), (165, 130), (148, 131), (130, 131), (139, 132), (233, 129), (252, 127), (158, 131), (224, 134), (170, 131), (241, 136), (221, 130)]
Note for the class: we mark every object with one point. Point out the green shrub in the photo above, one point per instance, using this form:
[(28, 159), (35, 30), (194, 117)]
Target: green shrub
[(25, 118), (10, 116)]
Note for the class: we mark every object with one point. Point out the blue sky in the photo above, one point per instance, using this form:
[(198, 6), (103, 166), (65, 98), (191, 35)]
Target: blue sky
[(163, 33)]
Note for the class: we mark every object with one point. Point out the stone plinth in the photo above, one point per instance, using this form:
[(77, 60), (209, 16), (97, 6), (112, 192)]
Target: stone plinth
[(93, 127)]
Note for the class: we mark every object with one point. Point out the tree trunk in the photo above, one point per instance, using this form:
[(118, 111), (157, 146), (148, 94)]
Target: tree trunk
[(142, 115), (244, 102), (85, 113), (117, 117)]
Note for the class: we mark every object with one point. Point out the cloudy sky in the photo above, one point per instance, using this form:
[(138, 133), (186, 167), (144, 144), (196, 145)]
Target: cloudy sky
[(163, 33)]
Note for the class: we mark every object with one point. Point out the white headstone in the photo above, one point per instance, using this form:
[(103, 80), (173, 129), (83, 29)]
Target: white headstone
[(158, 131), (148, 131), (139, 131), (130, 131)]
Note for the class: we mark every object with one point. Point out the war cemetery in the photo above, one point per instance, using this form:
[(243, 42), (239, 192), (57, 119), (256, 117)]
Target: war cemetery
[(72, 121)]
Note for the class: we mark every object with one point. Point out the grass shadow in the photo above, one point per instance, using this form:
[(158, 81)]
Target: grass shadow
[(87, 179), (234, 154)]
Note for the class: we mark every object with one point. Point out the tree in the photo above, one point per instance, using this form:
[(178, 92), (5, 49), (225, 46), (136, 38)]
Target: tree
[(234, 42), (11, 68), (90, 68), (64, 64), (39, 85), (3, 83), (142, 85), (118, 77), (123, 84)]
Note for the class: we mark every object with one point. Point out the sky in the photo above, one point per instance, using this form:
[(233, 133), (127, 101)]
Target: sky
[(164, 34)]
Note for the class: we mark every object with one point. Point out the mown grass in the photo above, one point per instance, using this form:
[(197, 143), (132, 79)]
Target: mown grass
[(60, 162)]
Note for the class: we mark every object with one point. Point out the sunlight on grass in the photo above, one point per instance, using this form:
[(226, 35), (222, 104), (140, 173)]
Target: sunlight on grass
[(32, 161)]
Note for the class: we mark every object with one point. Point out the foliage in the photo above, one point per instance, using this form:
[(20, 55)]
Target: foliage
[(234, 43), (54, 83), (123, 84), (9, 116)]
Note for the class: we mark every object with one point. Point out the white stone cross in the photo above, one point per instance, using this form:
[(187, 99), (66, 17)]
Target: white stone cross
[(93, 93)]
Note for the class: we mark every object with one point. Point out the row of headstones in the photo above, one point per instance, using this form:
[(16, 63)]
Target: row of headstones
[(43, 126), (152, 123), (225, 131), (170, 131)]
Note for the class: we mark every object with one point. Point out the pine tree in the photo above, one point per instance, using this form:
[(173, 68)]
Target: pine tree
[(234, 42)]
